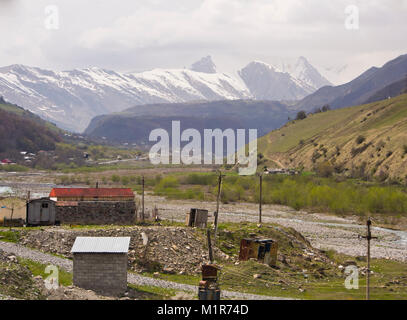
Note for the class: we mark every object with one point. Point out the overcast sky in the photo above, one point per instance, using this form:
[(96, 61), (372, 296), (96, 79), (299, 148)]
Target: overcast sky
[(137, 35)]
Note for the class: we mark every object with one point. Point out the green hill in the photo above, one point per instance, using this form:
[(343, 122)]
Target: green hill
[(362, 141), (21, 130)]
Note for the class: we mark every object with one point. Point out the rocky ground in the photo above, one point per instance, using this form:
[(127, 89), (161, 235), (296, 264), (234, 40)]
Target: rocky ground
[(341, 234), (166, 249), (17, 282), (184, 291)]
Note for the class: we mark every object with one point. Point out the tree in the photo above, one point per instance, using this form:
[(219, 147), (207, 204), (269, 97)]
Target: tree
[(326, 108), (301, 115)]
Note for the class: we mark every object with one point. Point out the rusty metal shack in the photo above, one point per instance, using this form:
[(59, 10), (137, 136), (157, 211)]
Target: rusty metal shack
[(208, 287), (264, 250), (197, 218)]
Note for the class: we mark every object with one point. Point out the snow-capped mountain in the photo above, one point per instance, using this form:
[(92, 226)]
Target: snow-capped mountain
[(338, 74), (306, 73), (205, 65), (266, 82), (72, 98)]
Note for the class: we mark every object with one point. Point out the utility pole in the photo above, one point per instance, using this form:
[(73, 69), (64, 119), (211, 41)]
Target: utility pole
[(217, 203), (261, 197), (142, 199), (368, 237)]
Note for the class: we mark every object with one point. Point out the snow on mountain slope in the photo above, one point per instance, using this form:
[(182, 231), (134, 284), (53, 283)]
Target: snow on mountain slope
[(72, 98), (266, 82), (205, 65), (306, 73)]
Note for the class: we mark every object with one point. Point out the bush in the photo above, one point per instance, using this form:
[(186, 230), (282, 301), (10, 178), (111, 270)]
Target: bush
[(13, 168), (301, 115), (360, 139), (168, 182), (125, 180), (115, 178), (325, 169), (200, 179)]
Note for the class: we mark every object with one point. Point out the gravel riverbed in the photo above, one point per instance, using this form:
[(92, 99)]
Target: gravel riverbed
[(322, 230)]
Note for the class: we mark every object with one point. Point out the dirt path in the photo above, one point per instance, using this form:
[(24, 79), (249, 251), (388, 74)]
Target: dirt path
[(133, 278), (323, 231)]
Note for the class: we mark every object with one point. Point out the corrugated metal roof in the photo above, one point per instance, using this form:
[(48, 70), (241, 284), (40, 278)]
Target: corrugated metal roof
[(91, 192), (101, 245)]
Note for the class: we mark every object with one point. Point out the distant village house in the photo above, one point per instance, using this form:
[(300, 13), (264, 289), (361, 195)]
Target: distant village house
[(90, 206)]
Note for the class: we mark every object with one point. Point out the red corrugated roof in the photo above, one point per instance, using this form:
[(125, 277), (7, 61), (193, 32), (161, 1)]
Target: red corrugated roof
[(91, 192)]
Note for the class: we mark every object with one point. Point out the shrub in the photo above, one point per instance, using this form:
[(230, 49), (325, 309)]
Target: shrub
[(355, 151), (115, 178), (360, 139), (168, 182), (125, 180), (200, 179), (325, 169), (326, 108), (301, 115)]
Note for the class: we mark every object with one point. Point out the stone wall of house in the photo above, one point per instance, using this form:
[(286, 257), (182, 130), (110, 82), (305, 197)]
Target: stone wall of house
[(98, 212), (104, 273)]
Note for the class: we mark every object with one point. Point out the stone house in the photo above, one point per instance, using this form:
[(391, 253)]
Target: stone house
[(100, 264), (94, 205)]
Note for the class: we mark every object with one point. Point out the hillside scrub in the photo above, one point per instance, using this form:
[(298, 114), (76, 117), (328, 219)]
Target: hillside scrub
[(299, 192)]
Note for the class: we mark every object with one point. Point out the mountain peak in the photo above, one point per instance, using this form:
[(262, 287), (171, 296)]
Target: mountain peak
[(306, 72), (205, 65)]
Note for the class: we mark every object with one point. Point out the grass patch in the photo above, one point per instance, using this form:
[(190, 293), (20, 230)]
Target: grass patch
[(38, 269), (10, 236), (152, 293)]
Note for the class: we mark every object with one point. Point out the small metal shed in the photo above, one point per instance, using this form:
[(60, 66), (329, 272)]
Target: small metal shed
[(41, 212), (264, 250), (100, 264), (197, 218)]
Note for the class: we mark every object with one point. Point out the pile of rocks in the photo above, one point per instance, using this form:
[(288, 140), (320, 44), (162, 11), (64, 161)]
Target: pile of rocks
[(16, 280), (168, 249)]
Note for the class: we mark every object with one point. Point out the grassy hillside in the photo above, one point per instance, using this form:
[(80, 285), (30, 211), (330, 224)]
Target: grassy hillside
[(20, 130), (26, 114), (362, 141)]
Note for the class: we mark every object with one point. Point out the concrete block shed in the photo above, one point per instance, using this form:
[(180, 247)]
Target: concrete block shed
[(100, 264)]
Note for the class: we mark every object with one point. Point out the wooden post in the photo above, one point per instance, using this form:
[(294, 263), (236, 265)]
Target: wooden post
[(208, 234), (217, 204), (261, 197), (368, 237), (142, 199), (11, 218)]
